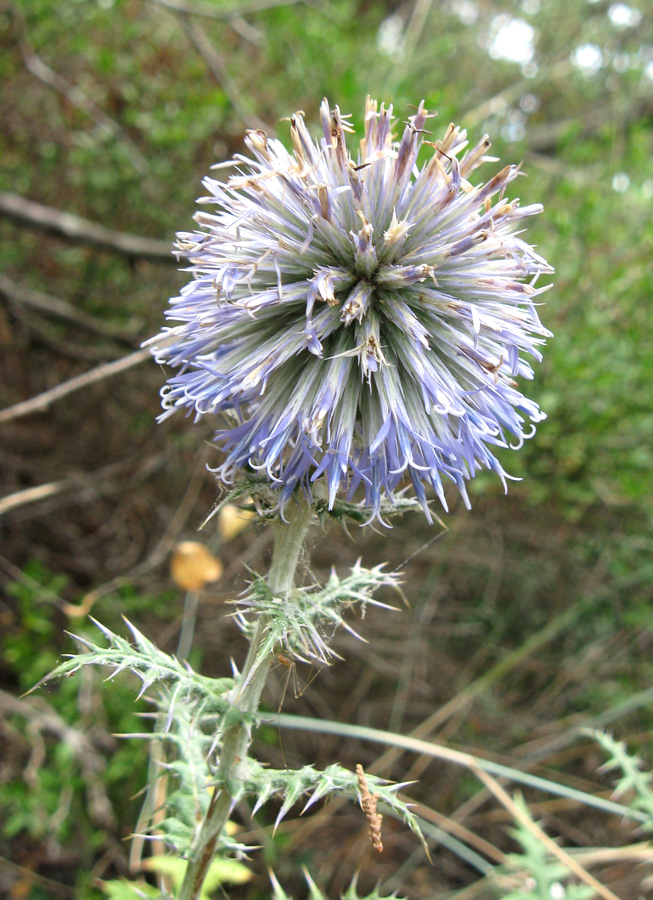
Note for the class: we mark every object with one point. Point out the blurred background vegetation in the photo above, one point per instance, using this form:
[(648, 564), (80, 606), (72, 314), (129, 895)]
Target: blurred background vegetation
[(530, 616)]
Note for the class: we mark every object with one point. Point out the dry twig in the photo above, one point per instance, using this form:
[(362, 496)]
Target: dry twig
[(72, 92), (520, 816), (83, 231), (42, 401), (26, 877), (95, 483), (458, 830), (225, 14), (167, 541), (42, 331), (368, 805), (219, 71), (21, 295), (41, 717)]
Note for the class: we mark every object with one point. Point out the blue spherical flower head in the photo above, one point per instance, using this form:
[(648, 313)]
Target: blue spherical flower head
[(358, 320)]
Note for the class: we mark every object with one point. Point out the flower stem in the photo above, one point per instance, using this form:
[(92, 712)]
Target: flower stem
[(232, 770)]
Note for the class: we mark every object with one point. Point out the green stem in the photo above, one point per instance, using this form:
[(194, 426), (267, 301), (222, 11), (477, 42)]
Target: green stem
[(232, 769)]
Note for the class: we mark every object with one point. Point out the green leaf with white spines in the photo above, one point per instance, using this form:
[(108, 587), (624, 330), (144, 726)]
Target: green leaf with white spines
[(151, 665), (266, 783), (298, 624), (635, 779), (316, 893)]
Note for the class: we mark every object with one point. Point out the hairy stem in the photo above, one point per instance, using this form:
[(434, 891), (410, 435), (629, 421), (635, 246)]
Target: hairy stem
[(246, 695)]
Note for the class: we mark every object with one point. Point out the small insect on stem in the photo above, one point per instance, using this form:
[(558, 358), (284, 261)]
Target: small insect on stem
[(291, 670), (291, 667), (368, 805)]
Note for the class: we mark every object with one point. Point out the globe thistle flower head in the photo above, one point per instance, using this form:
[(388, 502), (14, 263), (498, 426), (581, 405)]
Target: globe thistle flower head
[(358, 320)]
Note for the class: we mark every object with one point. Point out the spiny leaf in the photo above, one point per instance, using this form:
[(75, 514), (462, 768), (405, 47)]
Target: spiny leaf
[(634, 778), (316, 893), (546, 872), (298, 624), (149, 664), (291, 785), (361, 514)]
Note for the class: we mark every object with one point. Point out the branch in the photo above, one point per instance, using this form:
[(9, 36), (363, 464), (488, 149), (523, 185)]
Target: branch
[(526, 822), (214, 61), (73, 93), (75, 228), (21, 295), (502, 100), (211, 12), (169, 537), (44, 332), (83, 483), (41, 717), (219, 71), (543, 138), (42, 401), (27, 877)]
